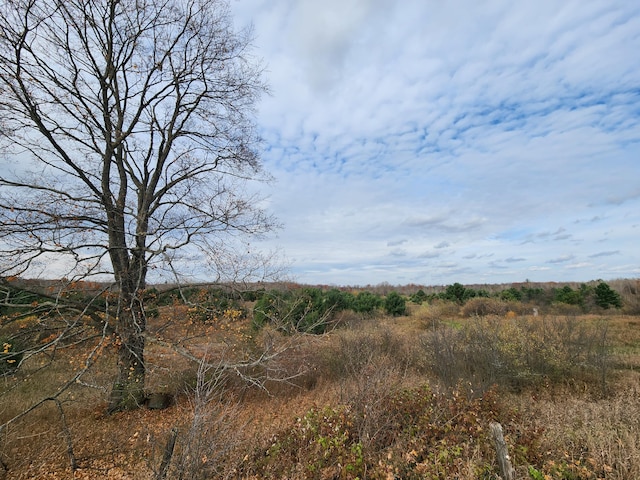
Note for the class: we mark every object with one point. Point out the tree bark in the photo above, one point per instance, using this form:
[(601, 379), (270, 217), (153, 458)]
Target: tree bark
[(128, 391)]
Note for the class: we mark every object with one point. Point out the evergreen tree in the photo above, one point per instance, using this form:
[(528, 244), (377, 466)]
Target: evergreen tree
[(607, 297)]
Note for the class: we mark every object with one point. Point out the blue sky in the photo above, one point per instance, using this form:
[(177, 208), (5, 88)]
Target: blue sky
[(434, 142)]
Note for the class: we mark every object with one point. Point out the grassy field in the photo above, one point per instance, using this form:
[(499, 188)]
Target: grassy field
[(377, 397)]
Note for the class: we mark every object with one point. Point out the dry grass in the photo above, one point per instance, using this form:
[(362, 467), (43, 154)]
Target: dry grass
[(587, 437), (566, 429)]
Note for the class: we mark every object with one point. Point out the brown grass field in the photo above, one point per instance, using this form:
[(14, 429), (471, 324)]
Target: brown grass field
[(376, 398)]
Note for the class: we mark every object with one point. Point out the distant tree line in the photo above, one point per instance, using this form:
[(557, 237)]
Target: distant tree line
[(295, 308), (585, 296)]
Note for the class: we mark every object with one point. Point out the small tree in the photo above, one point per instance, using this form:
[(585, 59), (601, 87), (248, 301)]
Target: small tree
[(419, 297), (395, 304), (606, 297), (458, 293), (337, 300), (568, 295), (366, 302), (511, 295)]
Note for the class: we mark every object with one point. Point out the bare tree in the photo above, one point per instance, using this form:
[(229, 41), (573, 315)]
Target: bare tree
[(127, 138)]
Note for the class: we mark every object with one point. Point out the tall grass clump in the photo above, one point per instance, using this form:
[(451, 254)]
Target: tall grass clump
[(588, 438), (433, 313), (518, 352)]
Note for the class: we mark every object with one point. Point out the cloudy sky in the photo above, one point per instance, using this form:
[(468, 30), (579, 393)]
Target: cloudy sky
[(433, 141)]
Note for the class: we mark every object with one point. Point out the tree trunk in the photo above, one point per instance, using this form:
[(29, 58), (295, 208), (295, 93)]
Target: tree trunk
[(127, 392)]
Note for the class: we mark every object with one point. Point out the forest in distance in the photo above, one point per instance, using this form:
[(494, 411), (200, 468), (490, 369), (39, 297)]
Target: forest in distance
[(561, 297)]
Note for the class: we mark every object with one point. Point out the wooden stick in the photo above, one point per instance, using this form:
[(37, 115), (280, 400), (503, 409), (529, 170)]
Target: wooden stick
[(168, 454), (506, 470)]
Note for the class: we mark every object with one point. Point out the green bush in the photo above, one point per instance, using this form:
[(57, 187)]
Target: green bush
[(511, 295), (567, 295), (458, 293), (306, 310), (23, 299), (534, 295), (337, 300), (395, 304), (270, 308), (366, 302), (419, 297), (252, 295)]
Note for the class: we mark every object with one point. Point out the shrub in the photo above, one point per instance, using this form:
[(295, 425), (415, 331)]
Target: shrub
[(307, 310), (518, 352), (355, 351), (269, 308), (433, 313), (629, 291), (320, 444), (423, 434), (567, 295), (511, 295), (211, 304), (437, 434), (564, 309), (209, 435), (533, 294), (337, 300), (366, 302), (395, 304), (419, 297), (252, 295), (458, 293)]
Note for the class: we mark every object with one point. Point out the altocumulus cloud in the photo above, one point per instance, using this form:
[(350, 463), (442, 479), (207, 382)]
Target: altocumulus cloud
[(503, 130)]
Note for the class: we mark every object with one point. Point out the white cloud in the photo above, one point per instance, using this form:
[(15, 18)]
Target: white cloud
[(503, 130)]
